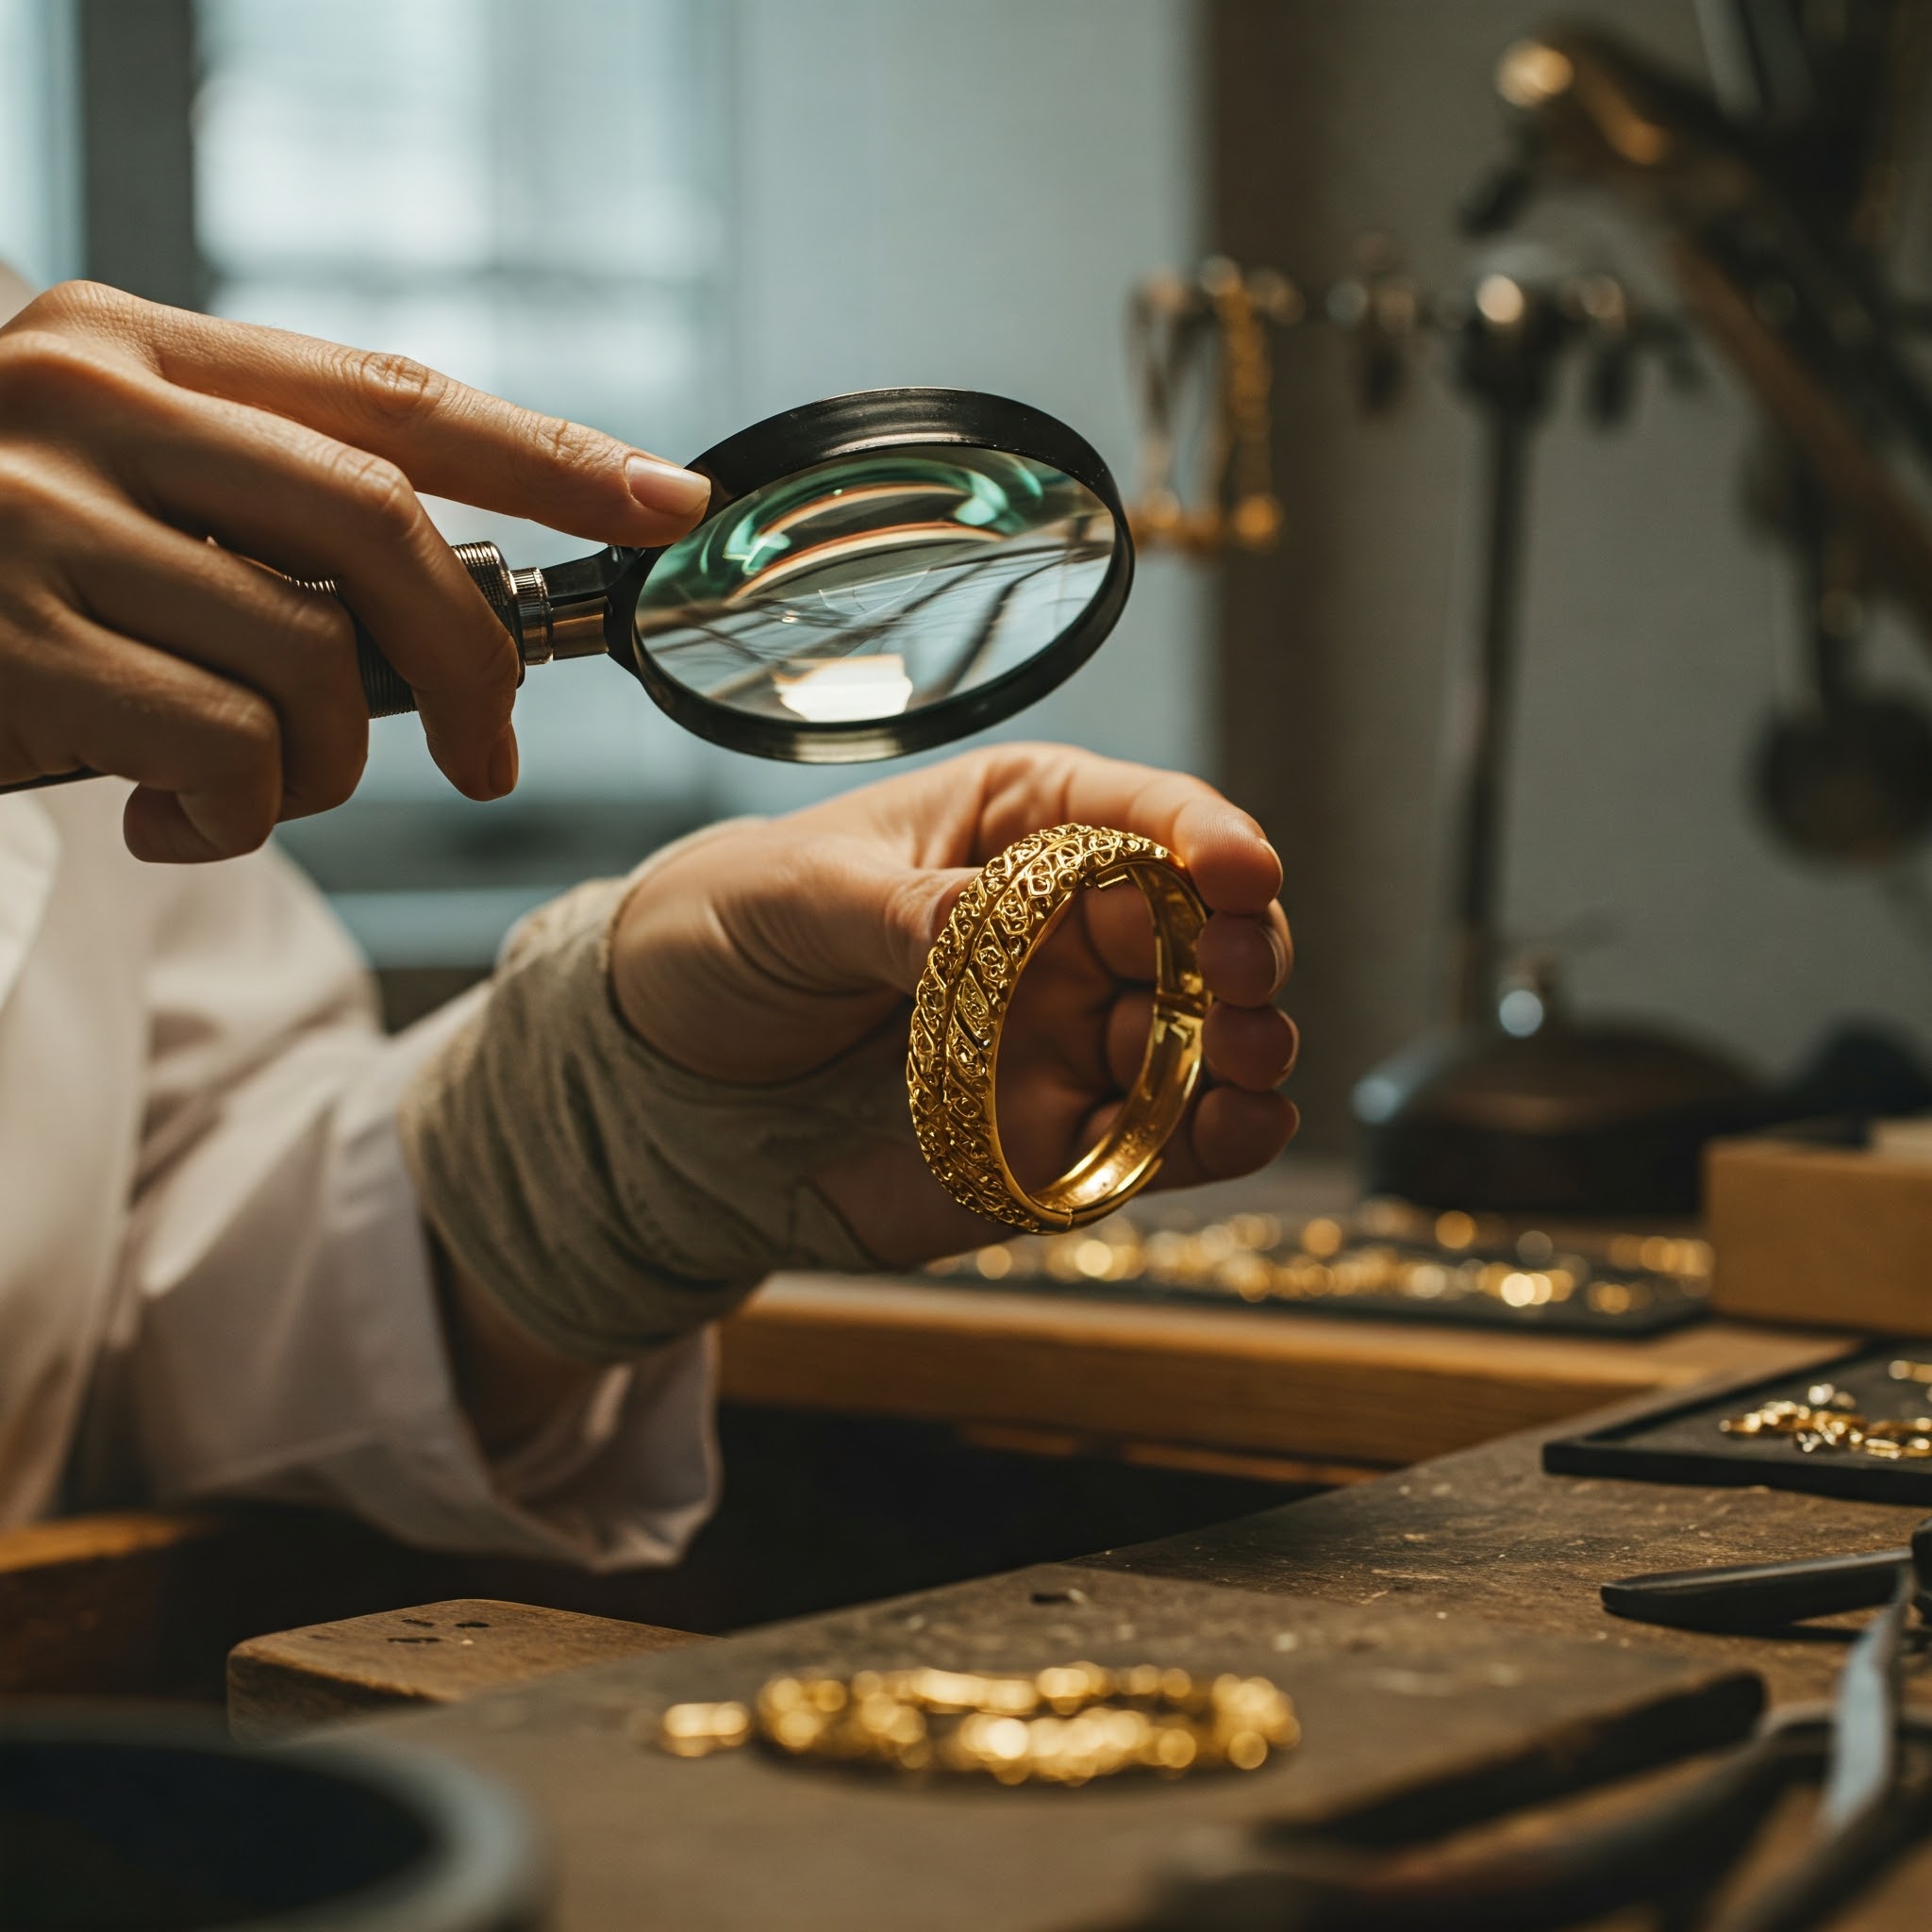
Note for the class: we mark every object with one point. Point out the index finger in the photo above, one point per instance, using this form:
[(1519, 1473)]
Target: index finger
[(449, 440)]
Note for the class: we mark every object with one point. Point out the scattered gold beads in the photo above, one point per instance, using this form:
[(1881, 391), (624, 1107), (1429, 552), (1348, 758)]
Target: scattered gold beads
[(1067, 1724), (695, 1730)]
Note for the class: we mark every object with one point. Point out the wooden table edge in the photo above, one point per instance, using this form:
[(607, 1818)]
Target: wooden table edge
[(1297, 1385)]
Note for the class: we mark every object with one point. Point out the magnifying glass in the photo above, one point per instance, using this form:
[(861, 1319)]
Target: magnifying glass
[(877, 573)]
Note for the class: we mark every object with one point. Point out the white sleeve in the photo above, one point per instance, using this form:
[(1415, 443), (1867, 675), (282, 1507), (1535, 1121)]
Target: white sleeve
[(279, 1334)]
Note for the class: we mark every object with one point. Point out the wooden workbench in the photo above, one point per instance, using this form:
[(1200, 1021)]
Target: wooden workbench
[(1417, 1619), (1315, 1397), (1252, 1392)]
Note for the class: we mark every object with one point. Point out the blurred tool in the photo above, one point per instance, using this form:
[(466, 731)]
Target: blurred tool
[(1869, 1758), (1775, 204), (1773, 216), (1515, 1105), (1743, 1598)]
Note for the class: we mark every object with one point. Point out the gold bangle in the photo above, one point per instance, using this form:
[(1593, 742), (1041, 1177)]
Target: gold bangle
[(959, 1011)]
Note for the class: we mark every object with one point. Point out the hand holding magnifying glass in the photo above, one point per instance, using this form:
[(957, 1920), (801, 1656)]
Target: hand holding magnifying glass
[(871, 575), (874, 574), (866, 577), (130, 434)]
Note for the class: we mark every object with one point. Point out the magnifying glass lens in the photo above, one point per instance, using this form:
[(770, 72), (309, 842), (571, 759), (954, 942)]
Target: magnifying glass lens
[(876, 584)]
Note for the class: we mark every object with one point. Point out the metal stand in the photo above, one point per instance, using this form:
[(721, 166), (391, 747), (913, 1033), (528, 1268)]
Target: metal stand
[(1518, 1108)]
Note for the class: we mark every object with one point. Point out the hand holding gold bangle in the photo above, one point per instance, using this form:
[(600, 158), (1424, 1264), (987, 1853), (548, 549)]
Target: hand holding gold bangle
[(961, 1008)]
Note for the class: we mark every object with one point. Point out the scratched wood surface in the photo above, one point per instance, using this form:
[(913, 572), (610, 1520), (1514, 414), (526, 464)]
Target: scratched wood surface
[(1395, 1707), (1438, 1625), (1485, 1534)]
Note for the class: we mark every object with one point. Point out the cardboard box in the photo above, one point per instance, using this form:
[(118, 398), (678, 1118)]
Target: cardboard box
[(1837, 1236)]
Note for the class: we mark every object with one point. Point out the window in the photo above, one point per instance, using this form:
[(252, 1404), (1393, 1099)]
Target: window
[(669, 218), (39, 235), (531, 198)]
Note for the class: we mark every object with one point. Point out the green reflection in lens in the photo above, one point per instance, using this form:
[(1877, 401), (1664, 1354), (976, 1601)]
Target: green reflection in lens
[(873, 585)]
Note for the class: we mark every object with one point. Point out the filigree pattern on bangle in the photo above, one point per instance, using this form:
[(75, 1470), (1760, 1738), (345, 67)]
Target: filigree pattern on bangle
[(960, 1006)]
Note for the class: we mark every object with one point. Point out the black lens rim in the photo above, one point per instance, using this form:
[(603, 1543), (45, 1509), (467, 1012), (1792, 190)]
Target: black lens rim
[(852, 425)]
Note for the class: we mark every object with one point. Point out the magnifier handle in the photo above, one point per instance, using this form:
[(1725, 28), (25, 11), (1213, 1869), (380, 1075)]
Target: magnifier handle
[(384, 687), (549, 613)]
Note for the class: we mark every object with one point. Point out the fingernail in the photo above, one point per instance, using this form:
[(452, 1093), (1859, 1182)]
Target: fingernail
[(665, 488), (503, 764)]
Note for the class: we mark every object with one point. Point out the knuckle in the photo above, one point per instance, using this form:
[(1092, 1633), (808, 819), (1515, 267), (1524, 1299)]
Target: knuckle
[(29, 507), (248, 739), (77, 304), (566, 445), (396, 388), (379, 494), (44, 370)]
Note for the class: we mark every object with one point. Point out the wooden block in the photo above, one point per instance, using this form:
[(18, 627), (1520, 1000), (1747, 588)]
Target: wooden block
[(1836, 1235), (431, 1654)]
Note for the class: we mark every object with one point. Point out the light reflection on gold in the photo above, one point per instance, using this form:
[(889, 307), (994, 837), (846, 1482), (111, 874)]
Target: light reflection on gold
[(1322, 1237), (1531, 72), (1067, 1724)]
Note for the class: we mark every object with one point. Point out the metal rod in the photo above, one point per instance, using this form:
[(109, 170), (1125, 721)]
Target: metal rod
[(1479, 830)]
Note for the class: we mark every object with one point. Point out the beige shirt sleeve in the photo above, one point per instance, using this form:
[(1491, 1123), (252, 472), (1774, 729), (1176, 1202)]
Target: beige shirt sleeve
[(275, 1332)]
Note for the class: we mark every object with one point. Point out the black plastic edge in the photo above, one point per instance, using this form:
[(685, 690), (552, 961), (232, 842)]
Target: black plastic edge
[(1608, 1451)]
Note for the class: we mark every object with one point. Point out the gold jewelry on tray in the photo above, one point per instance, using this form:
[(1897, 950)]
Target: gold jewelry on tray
[(961, 1008), (1067, 1724), (1829, 1419)]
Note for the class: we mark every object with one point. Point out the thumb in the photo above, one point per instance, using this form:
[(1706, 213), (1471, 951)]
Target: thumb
[(860, 918), (917, 905)]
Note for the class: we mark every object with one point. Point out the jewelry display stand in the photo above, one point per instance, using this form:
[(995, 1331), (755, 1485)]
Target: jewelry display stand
[(1773, 204)]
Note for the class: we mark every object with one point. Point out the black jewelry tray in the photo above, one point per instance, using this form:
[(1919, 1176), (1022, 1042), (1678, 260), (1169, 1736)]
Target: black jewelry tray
[(1681, 1443), (1664, 1310), (1382, 1260)]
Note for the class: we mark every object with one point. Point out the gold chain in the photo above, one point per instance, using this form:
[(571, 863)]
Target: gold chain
[(1209, 336), (1829, 1419), (1067, 1724)]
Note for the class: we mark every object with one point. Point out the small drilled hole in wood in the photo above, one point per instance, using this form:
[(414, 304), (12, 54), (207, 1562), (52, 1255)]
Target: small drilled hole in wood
[(472, 1625), (415, 1639), (421, 1622)]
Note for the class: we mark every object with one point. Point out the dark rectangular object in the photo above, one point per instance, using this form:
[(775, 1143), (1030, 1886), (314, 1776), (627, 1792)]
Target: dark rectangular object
[(1681, 1443), (1663, 1311)]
